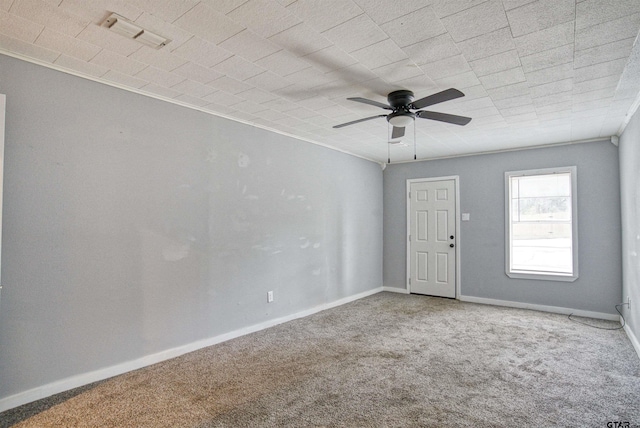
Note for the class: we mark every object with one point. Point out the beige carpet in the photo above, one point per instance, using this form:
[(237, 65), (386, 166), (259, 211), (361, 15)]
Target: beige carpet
[(388, 360)]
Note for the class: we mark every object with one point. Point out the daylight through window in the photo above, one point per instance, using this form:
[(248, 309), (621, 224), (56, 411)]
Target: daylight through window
[(541, 230)]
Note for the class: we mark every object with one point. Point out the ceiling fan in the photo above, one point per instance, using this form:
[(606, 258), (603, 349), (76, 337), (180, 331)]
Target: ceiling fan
[(401, 103)]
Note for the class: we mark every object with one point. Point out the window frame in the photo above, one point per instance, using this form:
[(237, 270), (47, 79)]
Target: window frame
[(540, 275)]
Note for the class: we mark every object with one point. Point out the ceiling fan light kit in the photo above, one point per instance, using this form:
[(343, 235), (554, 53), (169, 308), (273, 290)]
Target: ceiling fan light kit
[(402, 119)]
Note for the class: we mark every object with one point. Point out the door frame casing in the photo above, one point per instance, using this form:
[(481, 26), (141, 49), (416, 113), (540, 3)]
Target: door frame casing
[(456, 184), (3, 107)]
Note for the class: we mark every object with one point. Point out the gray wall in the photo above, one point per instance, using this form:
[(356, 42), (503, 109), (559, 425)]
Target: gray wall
[(630, 196), (132, 226), (482, 239)]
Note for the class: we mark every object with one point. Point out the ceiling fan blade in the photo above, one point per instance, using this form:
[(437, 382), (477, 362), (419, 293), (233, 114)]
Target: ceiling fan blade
[(359, 120), (398, 132), (443, 117), (371, 102), (440, 97)]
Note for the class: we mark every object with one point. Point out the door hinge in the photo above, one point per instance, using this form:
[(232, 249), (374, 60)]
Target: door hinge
[(409, 238), (409, 195), (409, 281)]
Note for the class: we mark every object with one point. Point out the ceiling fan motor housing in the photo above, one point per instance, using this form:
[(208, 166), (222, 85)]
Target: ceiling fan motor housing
[(401, 98)]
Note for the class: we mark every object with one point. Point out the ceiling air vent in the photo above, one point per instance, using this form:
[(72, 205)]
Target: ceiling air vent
[(126, 28)]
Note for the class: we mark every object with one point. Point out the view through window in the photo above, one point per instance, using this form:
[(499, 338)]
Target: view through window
[(540, 223)]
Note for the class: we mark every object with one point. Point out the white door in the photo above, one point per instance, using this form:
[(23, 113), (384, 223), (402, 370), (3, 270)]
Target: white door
[(432, 238)]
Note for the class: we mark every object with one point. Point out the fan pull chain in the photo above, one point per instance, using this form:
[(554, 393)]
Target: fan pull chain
[(389, 128), (415, 156)]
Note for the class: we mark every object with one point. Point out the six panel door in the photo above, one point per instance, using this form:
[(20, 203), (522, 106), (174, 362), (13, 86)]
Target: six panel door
[(432, 238)]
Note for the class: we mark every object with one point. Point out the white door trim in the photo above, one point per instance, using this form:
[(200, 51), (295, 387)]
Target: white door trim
[(456, 183), (3, 105)]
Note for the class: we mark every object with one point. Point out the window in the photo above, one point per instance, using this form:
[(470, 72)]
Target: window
[(541, 224)]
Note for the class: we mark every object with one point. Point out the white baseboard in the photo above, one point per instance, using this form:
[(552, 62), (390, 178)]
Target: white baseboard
[(86, 378), (542, 308), (396, 290), (632, 338)]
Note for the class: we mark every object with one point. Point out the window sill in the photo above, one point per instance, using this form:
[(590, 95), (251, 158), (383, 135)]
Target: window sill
[(542, 276)]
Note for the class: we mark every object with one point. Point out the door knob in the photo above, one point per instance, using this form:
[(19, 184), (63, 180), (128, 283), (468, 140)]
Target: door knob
[(451, 237), (451, 245)]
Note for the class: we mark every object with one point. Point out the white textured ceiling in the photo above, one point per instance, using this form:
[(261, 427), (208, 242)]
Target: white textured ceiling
[(534, 72)]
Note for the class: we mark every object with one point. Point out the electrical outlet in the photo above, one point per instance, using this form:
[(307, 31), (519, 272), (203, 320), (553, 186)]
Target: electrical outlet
[(628, 302), (269, 296)]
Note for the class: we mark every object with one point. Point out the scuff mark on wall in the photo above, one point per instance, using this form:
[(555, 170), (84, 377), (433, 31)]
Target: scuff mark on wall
[(261, 247), (173, 253), (211, 156), (240, 222), (243, 160)]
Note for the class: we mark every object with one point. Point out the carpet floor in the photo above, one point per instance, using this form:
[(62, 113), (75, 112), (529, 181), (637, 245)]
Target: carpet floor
[(388, 360)]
